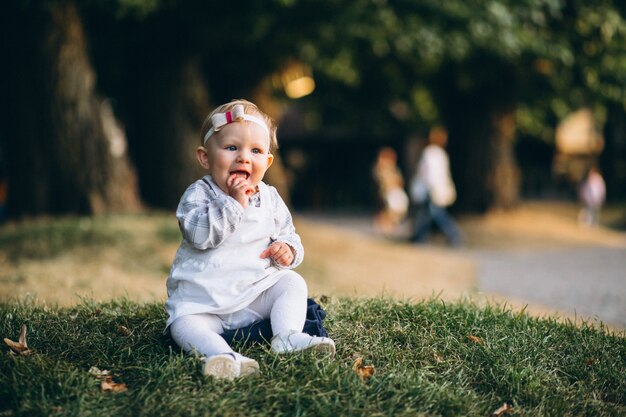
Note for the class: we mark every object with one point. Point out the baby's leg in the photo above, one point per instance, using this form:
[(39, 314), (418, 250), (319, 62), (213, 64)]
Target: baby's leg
[(285, 303), (201, 333)]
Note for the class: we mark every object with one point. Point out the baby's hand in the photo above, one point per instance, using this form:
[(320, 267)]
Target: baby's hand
[(279, 252), (240, 189)]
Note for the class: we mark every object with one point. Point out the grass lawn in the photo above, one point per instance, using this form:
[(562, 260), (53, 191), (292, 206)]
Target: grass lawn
[(430, 358)]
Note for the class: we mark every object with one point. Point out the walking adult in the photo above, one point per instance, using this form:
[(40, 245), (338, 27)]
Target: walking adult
[(432, 190)]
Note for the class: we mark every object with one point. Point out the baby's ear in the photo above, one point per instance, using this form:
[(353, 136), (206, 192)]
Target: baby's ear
[(203, 157)]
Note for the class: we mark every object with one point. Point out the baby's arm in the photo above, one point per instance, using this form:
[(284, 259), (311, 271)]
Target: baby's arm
[(239, 189), (206, 219), (280, 252), (286, 245)]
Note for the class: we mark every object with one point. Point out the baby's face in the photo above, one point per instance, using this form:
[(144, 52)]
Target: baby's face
[(239, 149)]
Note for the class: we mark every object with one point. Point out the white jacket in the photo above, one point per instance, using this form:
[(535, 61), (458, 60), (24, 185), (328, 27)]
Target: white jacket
[(433, 178)]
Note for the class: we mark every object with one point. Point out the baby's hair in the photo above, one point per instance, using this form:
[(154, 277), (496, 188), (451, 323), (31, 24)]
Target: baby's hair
[(249, 108)]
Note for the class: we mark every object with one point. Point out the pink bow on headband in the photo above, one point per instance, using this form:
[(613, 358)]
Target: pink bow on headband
[(237, 114), (220, 120)]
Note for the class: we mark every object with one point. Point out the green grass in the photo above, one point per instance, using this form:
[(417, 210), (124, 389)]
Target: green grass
[(47, 238), (426, 365), (137, 239)]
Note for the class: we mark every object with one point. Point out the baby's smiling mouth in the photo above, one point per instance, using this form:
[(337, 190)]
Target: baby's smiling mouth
[(240, 174)]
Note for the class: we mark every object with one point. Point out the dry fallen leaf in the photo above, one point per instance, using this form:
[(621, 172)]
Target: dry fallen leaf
[(364, 372), (20, 347), (475, 339), (123, 330), (505, 409), (107, 385), (437, 357)]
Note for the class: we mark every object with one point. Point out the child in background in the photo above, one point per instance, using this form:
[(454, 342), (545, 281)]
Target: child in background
[(235, 264), (592, 193), (394, 203)]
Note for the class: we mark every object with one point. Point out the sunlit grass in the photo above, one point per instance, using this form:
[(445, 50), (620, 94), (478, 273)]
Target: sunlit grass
[(430, 358), (46, 238)]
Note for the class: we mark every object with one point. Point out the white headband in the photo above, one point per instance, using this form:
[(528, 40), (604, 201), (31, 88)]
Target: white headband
[(219, 120)]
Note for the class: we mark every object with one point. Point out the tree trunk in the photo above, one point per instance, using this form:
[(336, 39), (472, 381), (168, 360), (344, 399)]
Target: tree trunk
[(483, 161), (503, 175), (66, 153), (469, 153), (481, 124), (613, 158), (169, 106)]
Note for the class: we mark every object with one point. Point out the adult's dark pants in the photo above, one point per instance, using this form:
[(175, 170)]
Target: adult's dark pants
[(429, 213)]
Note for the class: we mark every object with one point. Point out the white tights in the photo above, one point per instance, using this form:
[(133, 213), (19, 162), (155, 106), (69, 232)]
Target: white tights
[(284, 304)]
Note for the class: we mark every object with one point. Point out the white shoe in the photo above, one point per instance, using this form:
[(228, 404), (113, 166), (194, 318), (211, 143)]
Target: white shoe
[(298, 341), (229, 366), (247, 365)]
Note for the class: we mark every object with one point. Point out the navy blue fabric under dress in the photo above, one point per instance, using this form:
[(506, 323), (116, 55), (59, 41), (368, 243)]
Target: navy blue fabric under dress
[(261, 331)]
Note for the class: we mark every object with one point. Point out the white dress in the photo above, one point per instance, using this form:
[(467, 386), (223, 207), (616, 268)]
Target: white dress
[(217, 268)]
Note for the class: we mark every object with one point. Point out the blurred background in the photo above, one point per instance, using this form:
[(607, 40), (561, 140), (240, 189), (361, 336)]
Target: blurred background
[(103, 100)]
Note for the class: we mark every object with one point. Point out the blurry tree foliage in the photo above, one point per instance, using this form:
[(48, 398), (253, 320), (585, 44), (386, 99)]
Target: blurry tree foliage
[(491, 71)]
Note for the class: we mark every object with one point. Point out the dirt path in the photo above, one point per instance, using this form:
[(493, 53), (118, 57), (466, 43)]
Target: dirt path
[(347, 262), (536, 258), (587, 281), (547, 260)]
